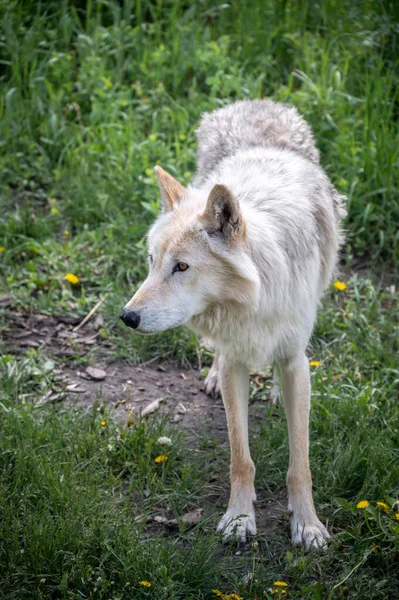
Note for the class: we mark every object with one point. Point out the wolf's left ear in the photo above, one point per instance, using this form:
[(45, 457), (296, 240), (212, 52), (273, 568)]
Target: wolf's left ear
[(171, 190), (222, 213)]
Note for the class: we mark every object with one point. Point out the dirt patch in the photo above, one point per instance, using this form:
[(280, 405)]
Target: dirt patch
[(60, 336), (132, 388)]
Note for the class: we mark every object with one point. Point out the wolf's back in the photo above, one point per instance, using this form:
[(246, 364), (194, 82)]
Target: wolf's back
[(250, 124)]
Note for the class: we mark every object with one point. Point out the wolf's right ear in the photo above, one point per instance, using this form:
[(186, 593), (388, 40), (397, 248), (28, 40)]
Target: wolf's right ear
[(171, 190), (223, 213)]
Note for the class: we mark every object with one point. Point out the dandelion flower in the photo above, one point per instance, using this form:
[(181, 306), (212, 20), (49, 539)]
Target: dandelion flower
[(66, 233), (161, 458), (153, 137), (74, 279), (397, 516), (362, 504), (103, 423), (280, 584), (145, 583), (383, 506), (234, 597), (314, 363), (219, 594), (2, 249), (165, 441), (340, 285), (279, 591)]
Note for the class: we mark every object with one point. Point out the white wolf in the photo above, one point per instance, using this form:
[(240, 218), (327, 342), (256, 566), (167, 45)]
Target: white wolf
[(242, 256)]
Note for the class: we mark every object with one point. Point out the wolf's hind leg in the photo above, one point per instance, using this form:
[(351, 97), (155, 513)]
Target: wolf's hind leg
[(212, 381), (275, 391), (239, 520), (306, 529)]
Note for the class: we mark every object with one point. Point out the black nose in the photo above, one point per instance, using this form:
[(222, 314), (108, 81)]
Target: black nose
[(130, 318)]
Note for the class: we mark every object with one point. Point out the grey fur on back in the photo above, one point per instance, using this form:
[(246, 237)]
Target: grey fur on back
[(251, 124)]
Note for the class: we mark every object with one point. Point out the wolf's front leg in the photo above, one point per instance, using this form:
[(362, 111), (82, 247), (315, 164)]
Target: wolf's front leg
[(239, 520), (306, 528)]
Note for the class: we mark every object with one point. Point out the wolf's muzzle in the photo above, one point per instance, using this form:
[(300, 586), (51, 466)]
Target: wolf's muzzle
[(130, 318)]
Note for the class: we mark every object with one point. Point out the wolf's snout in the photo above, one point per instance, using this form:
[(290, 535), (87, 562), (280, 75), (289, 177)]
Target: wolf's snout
[(130, 318)]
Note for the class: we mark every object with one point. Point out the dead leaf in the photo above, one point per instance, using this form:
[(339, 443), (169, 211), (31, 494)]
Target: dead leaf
[(191, 518), (21, 335), (98, 322), (75, 389), (159, 519), (152, 407), (96, 373), (30, 343)]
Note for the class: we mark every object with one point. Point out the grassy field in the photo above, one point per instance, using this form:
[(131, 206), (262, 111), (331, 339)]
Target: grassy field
[(93, 95)]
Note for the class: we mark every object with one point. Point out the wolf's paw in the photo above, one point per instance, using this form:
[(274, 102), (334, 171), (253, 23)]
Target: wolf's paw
[(212, 383), (311, 535), (237, 526)]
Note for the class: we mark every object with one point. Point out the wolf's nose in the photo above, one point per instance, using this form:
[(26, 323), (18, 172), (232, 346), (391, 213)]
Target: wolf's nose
[(130, 318)]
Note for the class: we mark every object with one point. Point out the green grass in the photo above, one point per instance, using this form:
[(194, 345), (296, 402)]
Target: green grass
[(92, 96), (76, 486)]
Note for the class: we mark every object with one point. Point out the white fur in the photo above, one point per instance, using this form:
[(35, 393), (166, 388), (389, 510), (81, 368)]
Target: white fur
[(260, 257)]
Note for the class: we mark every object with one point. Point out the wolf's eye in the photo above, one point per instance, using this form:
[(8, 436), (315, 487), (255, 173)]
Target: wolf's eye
[(150, 259), (181, 266)]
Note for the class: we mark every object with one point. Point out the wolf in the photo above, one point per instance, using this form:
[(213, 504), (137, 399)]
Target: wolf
[(242, 256)]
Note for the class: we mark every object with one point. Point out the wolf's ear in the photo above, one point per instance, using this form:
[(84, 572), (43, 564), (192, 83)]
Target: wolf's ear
[(222, 213), (171, 190)]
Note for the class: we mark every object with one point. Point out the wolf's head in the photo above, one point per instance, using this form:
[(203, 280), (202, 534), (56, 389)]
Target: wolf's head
[(198, 258)]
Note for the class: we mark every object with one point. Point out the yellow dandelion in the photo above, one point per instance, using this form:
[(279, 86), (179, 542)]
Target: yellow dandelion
[(314, 363), (383, 506), (397, 516), (103, 423), (279, 591), (2, 249), (362, 504), (234, 597), (54, 211), (145, 583), (149, 172), (280, 584), (74, 279), (161, 458), (182, 137), (340, 285), (66, 233), (153, 137), (218, 593)]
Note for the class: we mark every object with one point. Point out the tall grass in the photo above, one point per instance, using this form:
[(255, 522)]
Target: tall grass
[(94, 94)]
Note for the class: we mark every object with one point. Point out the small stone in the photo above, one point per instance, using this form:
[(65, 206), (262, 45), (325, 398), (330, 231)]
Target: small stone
[(96, 373)]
